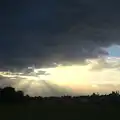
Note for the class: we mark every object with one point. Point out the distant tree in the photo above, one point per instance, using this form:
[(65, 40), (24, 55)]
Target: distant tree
[(7, 94), (19, 96), (114, 93)]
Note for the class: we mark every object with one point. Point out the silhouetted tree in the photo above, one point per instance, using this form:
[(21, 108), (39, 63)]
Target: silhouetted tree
[(9, 94)]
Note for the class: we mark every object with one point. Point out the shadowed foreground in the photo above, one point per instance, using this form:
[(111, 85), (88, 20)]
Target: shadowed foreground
[(15, 106)]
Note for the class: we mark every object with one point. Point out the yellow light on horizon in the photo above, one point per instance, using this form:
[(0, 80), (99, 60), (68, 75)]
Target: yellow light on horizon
[(76, 77)]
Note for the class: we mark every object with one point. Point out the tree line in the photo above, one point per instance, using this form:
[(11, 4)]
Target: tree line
[(9, 95)]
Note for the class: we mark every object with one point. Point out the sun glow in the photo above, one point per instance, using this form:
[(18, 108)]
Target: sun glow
[(97, 74), (66, 75), (73, 75)]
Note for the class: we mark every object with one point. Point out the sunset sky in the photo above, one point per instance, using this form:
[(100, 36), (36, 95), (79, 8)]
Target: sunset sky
[(71, 45)]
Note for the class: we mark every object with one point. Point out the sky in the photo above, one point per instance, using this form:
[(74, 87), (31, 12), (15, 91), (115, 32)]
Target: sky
[(114, 50), (67, 33)]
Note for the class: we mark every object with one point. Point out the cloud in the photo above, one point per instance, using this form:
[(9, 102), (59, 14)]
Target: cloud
[(40, 32), (96, 75), (105, 63), (65, 32)]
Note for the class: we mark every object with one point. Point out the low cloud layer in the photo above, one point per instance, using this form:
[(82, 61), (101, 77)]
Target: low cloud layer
[(98, 75)]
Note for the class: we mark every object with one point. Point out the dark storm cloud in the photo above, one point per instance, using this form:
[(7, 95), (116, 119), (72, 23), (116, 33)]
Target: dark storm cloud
[(56, 30)]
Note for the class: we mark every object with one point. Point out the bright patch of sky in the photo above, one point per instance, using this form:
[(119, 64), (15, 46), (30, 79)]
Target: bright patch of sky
[(114, 51)]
